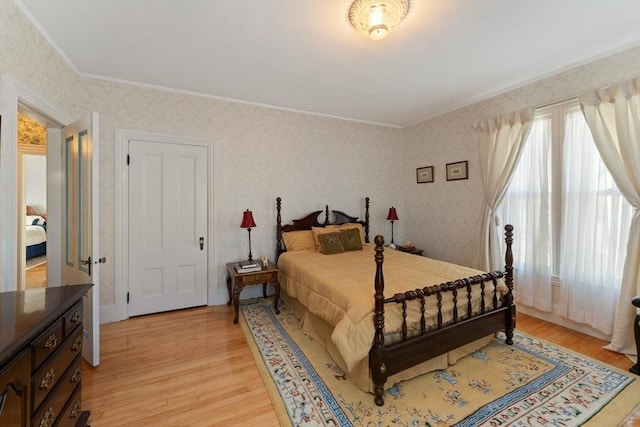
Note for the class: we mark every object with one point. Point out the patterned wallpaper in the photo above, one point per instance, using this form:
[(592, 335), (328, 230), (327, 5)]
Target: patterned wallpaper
[(262, 153), (31, 132), (443, 216)]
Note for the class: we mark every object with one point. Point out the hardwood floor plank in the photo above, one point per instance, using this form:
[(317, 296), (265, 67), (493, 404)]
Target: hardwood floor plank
[(194, 368)]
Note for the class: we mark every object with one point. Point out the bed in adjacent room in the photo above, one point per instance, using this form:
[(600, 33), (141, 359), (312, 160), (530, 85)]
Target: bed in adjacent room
[(35, 236), (386, 324)]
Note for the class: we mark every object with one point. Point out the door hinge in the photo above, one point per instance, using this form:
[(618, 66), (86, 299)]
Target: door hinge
[(128, 158), (127, 297)]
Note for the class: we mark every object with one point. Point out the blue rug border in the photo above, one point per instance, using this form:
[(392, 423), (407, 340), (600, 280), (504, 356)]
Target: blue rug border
[(482, 414), (332, 403)]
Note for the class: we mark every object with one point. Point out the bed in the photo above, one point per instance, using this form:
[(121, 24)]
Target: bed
[(35, 236), (432, 312)]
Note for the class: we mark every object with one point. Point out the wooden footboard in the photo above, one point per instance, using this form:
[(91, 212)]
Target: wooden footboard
[(495, 314)]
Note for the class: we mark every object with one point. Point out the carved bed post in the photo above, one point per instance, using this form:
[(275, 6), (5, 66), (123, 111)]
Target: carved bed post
[(279, 248), (635, 369), (366, 220), (376, 355), (510, 321), (326, 215)]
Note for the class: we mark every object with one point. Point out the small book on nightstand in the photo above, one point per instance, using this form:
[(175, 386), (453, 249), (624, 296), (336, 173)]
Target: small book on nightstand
[(247, 267)]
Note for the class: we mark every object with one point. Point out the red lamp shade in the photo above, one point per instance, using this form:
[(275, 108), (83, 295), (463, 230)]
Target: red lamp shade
[(247, 220), (393, 215)]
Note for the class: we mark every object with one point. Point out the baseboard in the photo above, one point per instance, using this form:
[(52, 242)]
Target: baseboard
[(108, 314), (556, 319)]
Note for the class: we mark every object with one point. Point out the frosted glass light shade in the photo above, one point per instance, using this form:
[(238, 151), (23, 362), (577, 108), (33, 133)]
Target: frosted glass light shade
[(376, 18)]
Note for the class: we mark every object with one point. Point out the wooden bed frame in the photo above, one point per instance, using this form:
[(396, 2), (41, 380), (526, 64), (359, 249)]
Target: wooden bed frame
[(388, 359)]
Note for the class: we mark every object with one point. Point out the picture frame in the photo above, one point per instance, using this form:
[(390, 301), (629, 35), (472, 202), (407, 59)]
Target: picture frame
[(424, 174), (457, 170)]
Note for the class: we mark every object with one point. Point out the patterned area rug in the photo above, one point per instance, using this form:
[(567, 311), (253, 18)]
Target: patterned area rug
[(34, 262), (528, 384)]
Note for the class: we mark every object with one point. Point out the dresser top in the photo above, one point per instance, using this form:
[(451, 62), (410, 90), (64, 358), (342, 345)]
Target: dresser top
[(24, 314)]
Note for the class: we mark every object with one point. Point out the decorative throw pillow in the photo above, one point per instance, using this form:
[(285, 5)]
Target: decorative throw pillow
[(351, 225), (317, 231), (299, 240), (350, 239), (330, 243)]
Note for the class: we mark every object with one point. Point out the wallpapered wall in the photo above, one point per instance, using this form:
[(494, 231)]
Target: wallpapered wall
[(442, 217), (31, 132), (259, 153), (262, 153)]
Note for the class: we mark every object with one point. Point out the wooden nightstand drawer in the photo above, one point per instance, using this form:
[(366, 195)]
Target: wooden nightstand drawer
[(258, 278), (46, 343)]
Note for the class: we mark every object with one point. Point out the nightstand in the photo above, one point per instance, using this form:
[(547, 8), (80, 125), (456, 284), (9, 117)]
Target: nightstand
[(237, 281), (409, 249)]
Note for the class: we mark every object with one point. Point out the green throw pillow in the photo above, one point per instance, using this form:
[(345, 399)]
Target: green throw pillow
[(350, 239), (330, 243)]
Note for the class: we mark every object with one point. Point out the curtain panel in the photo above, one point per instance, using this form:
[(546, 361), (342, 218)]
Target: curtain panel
[(501, 141), (613, 116)]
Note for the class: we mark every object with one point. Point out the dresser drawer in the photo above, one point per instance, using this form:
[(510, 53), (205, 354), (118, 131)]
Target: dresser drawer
[(72, 318), (46, 343), (72, 411), (14, 383), (51, 409), (50, 374)]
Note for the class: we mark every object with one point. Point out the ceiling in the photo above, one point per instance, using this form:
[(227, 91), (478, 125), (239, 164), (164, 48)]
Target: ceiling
[(304, 55)]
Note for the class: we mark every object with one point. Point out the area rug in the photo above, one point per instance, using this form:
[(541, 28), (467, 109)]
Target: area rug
[(34, 262), (528, 384)]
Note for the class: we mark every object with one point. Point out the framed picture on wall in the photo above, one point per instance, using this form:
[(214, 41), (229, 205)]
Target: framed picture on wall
[(457, 170), (424, 174)]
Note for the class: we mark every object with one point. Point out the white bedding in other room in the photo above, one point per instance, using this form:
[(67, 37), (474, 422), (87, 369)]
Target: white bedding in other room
[(35, 234)]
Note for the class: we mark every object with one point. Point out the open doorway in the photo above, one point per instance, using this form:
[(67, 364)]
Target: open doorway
[(32, 198)]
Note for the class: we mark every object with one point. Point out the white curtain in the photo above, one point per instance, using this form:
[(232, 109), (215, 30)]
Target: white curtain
[(501, 141), (527, 206), (613, 115), (595, 220)]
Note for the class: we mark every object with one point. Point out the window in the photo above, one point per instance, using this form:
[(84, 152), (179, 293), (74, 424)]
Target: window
[(571, 221)]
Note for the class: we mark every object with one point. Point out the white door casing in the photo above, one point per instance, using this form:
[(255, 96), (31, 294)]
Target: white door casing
[(80, 223), (168, 233)]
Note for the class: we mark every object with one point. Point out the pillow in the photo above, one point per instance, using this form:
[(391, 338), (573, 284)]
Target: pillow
[(350, 239), (322, 230), (351, 225), (35, 220), (330, 243), (299, 240)]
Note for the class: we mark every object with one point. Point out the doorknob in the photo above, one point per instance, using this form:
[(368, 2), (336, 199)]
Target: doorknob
[(88, 263), (201, 243)]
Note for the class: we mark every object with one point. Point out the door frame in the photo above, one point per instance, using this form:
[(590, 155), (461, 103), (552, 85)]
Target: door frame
[(119, 310), (15, 93)]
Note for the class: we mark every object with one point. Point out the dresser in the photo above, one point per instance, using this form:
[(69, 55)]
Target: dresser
[(40, 357)]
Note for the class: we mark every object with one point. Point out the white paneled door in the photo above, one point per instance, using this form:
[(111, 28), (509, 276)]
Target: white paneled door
[(80, 221), (168, 188)]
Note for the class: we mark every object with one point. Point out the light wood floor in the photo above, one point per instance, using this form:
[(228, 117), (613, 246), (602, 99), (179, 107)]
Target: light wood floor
[(36, 277), (193, 368)]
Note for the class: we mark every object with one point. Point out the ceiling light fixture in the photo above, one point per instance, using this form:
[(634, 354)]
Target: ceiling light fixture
[(376, 18)]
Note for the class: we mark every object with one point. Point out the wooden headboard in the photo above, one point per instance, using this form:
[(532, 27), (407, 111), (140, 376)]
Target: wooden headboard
[(311, 220)]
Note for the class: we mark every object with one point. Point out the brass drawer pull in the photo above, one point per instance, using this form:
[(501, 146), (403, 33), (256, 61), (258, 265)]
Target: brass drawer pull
[(75, 318), (51, 342), (47, 418), (77, 343), (48, 380), (76, 410), (77, 375)]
